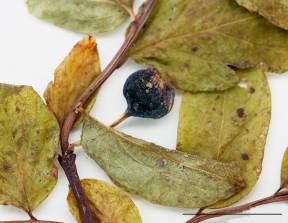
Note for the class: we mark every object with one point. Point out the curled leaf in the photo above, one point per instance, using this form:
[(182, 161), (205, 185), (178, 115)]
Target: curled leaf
[(72, 77), (276, 11), (193, 43), (107, 204), (28, 147), (84, 16), (161, 176), (284, 171), (229, 126)]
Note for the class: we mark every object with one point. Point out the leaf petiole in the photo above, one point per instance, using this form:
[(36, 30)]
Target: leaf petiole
[(127, 9)]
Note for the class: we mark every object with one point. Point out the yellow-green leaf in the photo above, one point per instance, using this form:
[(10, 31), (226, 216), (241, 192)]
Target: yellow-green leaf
[(194, 43), (229, 126), (276, 11), (161, 176), (107, 204), (29, 140), (72, 77), (284, 171), (84, 16)]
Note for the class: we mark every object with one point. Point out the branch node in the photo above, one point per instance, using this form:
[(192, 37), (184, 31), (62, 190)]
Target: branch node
[(79, 108)]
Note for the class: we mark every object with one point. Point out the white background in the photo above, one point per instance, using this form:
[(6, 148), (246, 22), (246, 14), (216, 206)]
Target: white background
[(30, 50)]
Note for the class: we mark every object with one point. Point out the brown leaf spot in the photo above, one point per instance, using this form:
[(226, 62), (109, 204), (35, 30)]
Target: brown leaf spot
[(240, 112), (194, 49), (14, 134), (252, 90), (245, 156), (54, 172), (6, 167)]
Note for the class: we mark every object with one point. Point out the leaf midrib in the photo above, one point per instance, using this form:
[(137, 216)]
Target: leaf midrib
[(170, 38), (215, 176)]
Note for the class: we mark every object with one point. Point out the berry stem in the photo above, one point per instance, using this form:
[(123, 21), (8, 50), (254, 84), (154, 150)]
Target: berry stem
[(120, 119), (278, 197)]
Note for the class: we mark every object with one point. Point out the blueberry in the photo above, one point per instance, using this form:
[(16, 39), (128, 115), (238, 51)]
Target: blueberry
[(147, 95)]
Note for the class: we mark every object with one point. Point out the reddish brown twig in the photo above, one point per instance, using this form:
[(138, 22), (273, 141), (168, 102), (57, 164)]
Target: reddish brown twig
[(278, 197), (67, 160)]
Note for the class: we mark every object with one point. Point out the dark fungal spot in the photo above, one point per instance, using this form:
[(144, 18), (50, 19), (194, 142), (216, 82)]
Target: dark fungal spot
[(14, 134), (252, 90), (240, 112), (194, 49), (245, 156), (6, 167)]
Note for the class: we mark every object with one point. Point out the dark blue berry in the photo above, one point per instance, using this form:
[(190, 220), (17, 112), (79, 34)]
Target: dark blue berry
[(147, 95)]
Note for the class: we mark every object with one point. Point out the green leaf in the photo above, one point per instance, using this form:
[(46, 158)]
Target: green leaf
[(84, 16), (276, 11), (192, 43), (229, 126), (107, 204), (72, 77), (28, 147), (161, 176), (284, 171)]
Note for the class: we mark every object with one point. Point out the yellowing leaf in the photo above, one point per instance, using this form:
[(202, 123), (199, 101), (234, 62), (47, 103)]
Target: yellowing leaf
[(107, 204), (229, 126), (84, 16), (29, 140), (276, 11), (284, 171), (72, 77), (161, 176), (192, 43)]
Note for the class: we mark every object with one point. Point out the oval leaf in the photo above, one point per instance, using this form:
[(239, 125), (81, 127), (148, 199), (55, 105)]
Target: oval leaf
[(284, 171), (229, 126), (28, 148), (107, 204), (161, 176), (72, 77), (192, 42), (276, 11), (84, 16)]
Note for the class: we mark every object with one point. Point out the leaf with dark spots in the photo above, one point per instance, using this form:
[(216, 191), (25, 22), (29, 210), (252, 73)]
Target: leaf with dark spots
[(161, 176), (229, 126), (193, 44), (72, 77), (276, 11), (107, 204), (84, 16), (28, 147)]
